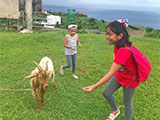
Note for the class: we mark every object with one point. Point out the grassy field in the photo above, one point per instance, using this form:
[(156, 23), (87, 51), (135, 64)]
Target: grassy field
[(69, 102)]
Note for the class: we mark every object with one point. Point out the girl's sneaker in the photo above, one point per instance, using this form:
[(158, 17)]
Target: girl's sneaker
[(61, 70), (75, 76), (113, 116)]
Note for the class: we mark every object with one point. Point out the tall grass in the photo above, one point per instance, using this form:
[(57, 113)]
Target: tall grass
[(69, 102)]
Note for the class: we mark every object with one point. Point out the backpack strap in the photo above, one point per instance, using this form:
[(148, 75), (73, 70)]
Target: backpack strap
[(130, 49)]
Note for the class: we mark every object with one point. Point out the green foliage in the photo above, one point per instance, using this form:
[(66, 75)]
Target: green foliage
[(138, 27), (148, 29), (59, 13), (69, 102), (152, 33), (92, 21), (81, 15), (84, 31), (39, 15)]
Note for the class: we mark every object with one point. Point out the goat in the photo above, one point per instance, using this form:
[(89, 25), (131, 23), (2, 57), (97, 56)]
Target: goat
[(39, 79)]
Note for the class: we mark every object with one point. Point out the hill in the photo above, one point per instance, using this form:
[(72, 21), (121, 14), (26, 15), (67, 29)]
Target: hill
[(69, 102)]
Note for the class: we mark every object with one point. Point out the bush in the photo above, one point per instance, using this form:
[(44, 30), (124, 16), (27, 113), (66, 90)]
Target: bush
[(148, 29), (82, 31), (153, 34)]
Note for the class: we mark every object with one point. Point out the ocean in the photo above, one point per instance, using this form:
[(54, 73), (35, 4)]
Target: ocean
[(137, 18)]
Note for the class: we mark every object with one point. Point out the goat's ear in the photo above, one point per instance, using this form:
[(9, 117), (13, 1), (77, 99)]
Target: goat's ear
[(30, 76)]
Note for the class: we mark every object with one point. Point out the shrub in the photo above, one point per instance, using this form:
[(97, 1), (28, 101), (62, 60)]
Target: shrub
[(153, 34), (148, 29)]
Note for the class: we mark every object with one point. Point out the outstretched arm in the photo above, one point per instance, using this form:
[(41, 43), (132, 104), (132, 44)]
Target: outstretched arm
[(114, 68)]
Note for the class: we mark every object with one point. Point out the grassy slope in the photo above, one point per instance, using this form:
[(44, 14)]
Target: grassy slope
[(69, 102)]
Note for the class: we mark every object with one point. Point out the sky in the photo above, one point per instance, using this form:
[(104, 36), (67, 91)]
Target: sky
[(91, 7), (149, 5)]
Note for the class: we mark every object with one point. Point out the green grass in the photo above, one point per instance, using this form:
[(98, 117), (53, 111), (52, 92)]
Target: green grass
[(69, 102)]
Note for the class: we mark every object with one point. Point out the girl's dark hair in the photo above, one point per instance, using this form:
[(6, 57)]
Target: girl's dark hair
[(117, 28)]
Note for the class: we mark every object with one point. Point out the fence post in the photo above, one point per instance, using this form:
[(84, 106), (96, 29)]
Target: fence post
[(28, 8)]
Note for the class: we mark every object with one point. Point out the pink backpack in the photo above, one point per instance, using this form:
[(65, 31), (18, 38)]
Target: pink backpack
[(142, 64)]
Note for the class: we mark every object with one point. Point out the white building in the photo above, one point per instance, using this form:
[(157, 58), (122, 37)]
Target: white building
[(53, 20)]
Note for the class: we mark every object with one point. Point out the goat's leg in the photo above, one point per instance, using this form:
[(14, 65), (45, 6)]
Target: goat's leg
[(42, 96), (38, 105), (35, 93), (33, 87)]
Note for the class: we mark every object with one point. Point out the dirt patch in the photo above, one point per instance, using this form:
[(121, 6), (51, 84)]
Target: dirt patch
[(140, 33)]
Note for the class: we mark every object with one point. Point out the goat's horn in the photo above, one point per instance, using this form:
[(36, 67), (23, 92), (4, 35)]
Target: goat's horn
[(38, 66), (47, 65)]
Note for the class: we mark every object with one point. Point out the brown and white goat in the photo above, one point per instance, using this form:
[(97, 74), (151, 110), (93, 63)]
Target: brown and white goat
[(39, 79)]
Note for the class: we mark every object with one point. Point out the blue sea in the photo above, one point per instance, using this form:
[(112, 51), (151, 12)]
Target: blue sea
[(137, 18)]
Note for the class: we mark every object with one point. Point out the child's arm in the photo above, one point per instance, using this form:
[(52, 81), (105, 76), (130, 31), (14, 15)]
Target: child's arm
[(66, 43), (114, 68), (79, 44)]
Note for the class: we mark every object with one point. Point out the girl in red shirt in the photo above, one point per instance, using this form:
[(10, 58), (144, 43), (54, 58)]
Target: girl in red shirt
[(122, 71)]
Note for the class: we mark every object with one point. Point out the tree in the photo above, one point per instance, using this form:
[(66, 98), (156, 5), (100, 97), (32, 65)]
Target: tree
[(148, 29), (92, 21)]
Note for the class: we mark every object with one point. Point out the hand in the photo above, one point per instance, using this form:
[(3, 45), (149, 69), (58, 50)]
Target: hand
[(73, 48), (80, 45), (89, 88)]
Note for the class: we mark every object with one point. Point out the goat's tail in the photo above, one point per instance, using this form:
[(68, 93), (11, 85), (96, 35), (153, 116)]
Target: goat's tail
[(53, 80)]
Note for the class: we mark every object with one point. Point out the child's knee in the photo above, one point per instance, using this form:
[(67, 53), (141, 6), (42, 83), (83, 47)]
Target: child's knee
[(69, 65)]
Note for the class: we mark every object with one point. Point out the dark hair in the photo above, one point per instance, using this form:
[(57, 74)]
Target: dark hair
[(117, 28)]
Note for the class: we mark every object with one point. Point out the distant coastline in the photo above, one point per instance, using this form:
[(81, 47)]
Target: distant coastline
[(137, 18)]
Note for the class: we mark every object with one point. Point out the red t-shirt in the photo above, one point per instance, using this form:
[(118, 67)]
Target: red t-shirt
[(125, 78)]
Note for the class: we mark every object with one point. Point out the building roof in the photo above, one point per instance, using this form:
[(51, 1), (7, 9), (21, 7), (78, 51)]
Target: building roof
[(80, 12)]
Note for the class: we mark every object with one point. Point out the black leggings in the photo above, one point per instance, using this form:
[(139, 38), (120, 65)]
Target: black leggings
[(71, 61), (128, 93)]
